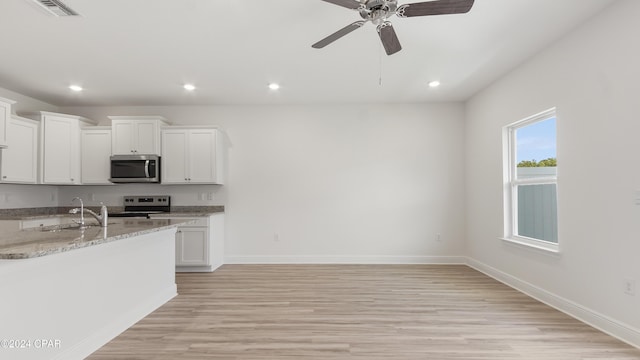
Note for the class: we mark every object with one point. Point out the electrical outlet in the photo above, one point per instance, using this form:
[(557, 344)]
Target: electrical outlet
[(201, 196), (210, 196), (276, 237), (438, 237), (92, 197), (630, 287)]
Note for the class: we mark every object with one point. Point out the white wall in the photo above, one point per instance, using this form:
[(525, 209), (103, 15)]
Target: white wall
[(25, 103), (591, 76), (188, 195), (353, 183), (25, 196)]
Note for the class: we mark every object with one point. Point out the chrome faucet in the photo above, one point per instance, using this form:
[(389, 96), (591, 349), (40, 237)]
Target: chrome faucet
[(102, 218), (75, 211)]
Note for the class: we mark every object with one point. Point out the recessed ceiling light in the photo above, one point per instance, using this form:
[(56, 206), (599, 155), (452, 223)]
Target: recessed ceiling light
[(76, 88), (189, 87), (434, 84), (274, 86)]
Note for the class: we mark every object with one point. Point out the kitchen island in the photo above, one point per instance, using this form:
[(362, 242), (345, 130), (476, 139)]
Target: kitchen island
[(66, 292)]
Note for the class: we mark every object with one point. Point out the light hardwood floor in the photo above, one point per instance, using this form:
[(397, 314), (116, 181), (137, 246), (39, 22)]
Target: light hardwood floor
[(360, 312)]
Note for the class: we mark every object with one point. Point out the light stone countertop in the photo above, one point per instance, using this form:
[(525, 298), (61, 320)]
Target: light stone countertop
[(48, 240), (171, 215), (63, 212)]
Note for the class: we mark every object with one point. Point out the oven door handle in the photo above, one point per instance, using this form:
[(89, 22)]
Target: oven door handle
[(146, 168)]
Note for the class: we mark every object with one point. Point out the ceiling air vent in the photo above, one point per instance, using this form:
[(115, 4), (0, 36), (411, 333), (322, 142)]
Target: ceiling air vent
[(56, 7)]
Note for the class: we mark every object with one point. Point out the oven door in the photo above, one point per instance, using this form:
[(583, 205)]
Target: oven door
[(135, 168)]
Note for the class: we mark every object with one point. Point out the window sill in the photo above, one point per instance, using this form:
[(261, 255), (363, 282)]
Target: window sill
[(534, 244)]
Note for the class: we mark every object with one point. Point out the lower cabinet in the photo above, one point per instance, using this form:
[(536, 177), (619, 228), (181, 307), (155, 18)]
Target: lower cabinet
[(192, 246), (200, 245)]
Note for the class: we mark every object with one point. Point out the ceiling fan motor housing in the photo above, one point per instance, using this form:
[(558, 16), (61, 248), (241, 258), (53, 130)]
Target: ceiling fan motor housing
[(378, 10)]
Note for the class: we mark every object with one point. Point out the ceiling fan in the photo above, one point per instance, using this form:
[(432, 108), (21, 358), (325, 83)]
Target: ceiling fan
[(378, 11)]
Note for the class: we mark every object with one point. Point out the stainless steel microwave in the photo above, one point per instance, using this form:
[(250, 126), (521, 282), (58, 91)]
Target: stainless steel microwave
[(135, 169)]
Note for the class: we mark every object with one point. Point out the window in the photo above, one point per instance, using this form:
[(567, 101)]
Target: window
[(530, 187)]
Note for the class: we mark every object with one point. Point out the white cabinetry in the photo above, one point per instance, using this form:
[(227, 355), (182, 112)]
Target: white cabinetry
[(192, 155), (96, 149), (192, 246), (199, 246), (20, 159), (136, 134), (5, 115), (60, 148)]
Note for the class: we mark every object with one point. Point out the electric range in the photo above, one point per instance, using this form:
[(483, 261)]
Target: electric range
[(143, 206)]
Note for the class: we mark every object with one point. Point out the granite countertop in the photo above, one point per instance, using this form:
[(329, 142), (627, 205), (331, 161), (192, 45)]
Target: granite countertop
[(48, 240), (41, 213)]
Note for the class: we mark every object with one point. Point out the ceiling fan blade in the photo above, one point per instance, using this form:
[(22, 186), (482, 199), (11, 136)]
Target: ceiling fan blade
[(389, 39), (338, 34), (439, 7), (350, 4)]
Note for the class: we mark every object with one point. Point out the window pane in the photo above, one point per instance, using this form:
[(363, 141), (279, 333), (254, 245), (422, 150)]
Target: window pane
[(537, 212), (536, 149)]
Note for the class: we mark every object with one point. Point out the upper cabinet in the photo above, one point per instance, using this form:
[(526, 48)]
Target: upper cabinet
[(20, 159), (5, 115), (192, 155), (60, 147), (136, 134), (95, 142)]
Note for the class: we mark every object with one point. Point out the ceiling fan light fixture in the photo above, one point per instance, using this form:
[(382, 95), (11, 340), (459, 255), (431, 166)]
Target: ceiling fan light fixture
[(274, 86), (434, 84), (189, 87), (75, 88)]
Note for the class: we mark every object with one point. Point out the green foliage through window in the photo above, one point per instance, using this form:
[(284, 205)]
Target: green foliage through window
[(550, 162)]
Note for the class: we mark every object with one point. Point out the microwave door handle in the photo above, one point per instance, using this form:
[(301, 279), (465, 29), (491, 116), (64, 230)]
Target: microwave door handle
[(146, 169)]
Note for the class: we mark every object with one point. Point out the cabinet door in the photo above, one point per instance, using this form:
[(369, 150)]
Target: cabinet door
[(61, 151), (122, 137), (20, 159), (145, 137), (202, 156), (5, 116), (174, 155), (192, 246), (96, 149)]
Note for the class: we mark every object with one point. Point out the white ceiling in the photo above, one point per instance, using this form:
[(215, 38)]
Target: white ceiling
[(141, 52)]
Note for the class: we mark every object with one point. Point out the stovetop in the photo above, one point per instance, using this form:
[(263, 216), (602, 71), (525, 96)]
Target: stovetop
[(142, 206)]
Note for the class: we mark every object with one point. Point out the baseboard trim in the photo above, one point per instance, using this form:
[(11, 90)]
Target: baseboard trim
[(99, 338), (297, 259), (617, 329)]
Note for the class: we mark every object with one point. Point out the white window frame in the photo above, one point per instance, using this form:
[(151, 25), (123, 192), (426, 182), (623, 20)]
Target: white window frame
[(511, 183)]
